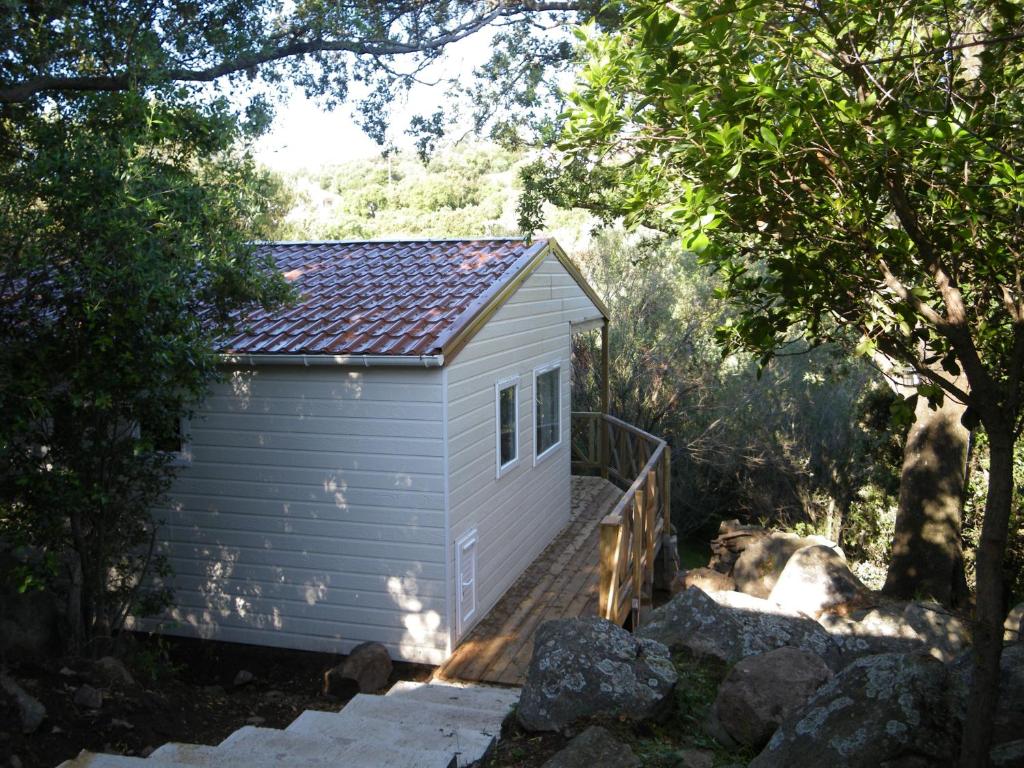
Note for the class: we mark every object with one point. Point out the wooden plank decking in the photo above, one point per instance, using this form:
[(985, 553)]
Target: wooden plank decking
[(561, 582)]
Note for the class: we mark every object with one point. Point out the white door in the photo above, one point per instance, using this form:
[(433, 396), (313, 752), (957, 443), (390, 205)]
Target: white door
[(465, 586)]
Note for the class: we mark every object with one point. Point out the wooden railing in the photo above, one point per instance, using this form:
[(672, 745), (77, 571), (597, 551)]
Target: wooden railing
[(631, 535)]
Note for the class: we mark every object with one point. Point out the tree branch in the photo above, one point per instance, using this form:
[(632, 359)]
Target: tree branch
[(22, 91)]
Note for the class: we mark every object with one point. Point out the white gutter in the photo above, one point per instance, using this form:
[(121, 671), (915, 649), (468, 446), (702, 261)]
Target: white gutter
[(359, 361)]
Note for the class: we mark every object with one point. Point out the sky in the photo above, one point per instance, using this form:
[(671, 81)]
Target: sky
[(306, 135)]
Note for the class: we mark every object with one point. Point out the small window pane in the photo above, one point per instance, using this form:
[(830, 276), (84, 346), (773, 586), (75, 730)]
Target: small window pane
[(507, 424), (548, 427), (165, 435)]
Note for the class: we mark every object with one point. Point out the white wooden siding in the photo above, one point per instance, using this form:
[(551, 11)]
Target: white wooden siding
[(518, 514), (313, 514)]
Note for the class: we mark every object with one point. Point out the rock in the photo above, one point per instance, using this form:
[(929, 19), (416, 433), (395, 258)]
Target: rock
[(1009, 721), (944, 633), (589, 666), (1012, 625), (256, 720), (762, 691), (30, 709), (879, 630), (706, 580), (29, 624), (815, 579), (888, 709), (731, 541), (119, 723), (368, 666), (244, 677), (695, 758), (112, 672), (731, 625), (1008, 755), (88, 697), (594, 747), (693, 622), (15, 762), (759, 565)]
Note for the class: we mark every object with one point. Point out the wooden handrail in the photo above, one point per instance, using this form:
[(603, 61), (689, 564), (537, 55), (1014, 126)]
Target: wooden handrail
[(632, 533)]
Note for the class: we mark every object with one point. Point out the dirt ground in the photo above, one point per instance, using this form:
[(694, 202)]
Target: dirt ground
[(184, 691)]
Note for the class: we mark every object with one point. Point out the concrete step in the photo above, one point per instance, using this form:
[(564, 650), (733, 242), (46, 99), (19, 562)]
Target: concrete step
[(86, 759), (407, 725), (428, 713), (252, 747), (485, 698), (316, 751)]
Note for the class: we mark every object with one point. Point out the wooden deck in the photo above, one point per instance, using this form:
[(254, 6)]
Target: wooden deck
[(562, 582)]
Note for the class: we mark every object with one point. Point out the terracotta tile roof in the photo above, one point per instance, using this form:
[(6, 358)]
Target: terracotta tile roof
[(379, 298)]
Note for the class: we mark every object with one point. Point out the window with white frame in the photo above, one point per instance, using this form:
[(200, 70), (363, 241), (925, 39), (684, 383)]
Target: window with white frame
[(168, 436), (547, 416), (506, 411)]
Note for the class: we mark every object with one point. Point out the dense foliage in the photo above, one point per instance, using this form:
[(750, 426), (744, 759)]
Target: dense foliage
[(848, 166), (123, 233)]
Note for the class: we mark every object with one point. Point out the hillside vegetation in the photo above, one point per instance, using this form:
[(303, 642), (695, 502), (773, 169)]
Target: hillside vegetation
[(807, 444)]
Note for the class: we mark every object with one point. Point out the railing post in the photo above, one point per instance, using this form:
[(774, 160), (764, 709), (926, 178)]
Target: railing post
[(638, 538), (608, 547), (666, 490)]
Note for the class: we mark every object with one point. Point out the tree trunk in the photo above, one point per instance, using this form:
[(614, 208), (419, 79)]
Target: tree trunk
[(927, 557), (988, 622)]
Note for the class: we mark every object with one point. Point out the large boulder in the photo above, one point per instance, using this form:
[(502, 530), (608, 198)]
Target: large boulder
[(815, 579), (30, 710), (759, 565), (731, 626), (762, 691), (594, 747), (943, 632), (707, 580), (30, 624), (1012, 625), (586, 667), (730, 543), (888, 709), (1009, 722), (867, 633)]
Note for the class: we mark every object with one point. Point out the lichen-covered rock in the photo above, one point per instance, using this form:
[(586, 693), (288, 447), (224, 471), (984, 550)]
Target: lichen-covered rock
[(762, 691), (586, 667), (731, 626), (885, 709), (1009, 722), (879, 630), (815, 579), (759, 565), (592, 748)]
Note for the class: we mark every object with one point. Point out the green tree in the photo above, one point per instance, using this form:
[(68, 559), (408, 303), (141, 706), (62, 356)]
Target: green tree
[(63, 49), (124, 232), (849, 167)]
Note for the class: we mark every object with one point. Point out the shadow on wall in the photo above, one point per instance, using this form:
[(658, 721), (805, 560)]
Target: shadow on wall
[(316, 546)]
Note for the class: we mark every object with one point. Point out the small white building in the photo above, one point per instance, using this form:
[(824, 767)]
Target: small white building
[(385, 457)]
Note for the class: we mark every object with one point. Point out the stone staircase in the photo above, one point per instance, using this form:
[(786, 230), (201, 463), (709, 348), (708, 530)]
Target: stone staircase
[(414, 725)]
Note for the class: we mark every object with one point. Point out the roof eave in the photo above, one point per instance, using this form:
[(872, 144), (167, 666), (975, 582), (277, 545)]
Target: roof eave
[(351, 361)]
